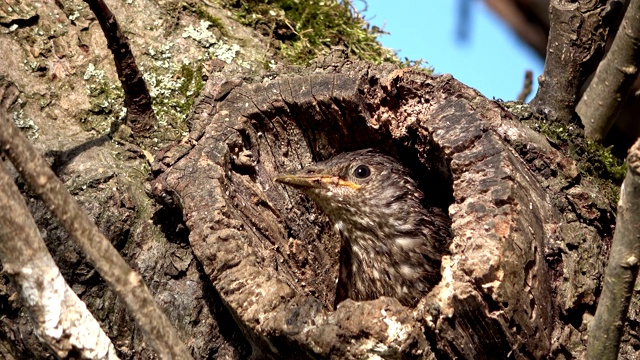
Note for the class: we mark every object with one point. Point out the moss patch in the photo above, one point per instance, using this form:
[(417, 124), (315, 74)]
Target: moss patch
[(105, 100), (205, 15), (305, 29), (593, 159)]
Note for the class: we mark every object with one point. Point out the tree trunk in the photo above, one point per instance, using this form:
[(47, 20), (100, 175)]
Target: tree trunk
[(244, 267), (531, 234)]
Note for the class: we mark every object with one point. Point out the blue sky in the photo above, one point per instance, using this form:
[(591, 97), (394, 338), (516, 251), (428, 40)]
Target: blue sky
[(491, 59)]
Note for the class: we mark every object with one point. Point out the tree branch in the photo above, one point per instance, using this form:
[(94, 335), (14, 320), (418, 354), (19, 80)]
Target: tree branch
[(137, 99), (602, 101), (121, 278), (607, 326), (576, 43), (527, 86), (60, 318)]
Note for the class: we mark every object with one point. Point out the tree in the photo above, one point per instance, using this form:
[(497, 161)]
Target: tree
[(242, 266)]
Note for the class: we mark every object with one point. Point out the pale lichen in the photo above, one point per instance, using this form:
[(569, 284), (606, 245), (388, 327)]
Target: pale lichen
[(26, 124)]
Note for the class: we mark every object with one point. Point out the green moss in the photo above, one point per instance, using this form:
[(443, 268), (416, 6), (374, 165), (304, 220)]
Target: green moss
[(306, 29), (593, 159), (105, 99), (190, 86), (419, 65), (215, 21), (174, 84)]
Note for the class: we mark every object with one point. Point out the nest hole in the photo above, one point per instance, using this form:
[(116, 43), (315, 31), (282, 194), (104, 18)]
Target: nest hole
[(292, 136)]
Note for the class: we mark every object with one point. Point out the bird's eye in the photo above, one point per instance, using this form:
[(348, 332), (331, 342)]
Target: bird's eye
[(362, 172)]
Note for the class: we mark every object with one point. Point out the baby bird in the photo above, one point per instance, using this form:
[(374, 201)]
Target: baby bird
[(392, 244)]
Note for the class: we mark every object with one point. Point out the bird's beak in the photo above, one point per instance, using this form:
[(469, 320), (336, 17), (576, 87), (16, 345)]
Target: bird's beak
[(318, 181)]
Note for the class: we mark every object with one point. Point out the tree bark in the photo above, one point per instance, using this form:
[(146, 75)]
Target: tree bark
[(273, 257), (125, 281), (607, 327), (524, 272), (602, 101), (577, 37)]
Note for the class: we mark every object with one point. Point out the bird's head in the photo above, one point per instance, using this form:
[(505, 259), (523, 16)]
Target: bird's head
[(361, 188), (392, 244)]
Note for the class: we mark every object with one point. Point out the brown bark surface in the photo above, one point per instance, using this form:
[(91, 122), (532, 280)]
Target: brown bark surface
[(577, 36), (56, 54), (244, 267), (517, 282)]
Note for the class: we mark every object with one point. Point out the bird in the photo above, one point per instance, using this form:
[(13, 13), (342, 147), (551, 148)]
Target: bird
[(392, 240)]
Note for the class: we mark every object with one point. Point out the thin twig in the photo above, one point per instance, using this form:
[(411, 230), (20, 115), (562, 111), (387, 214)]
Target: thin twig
[(527, 86), (140, 115)]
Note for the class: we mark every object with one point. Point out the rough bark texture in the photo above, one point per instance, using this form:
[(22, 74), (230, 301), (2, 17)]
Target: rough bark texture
[(607, 327), (577, 36), (56, 54), (531, 233), (522, 216), (602, 100)]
